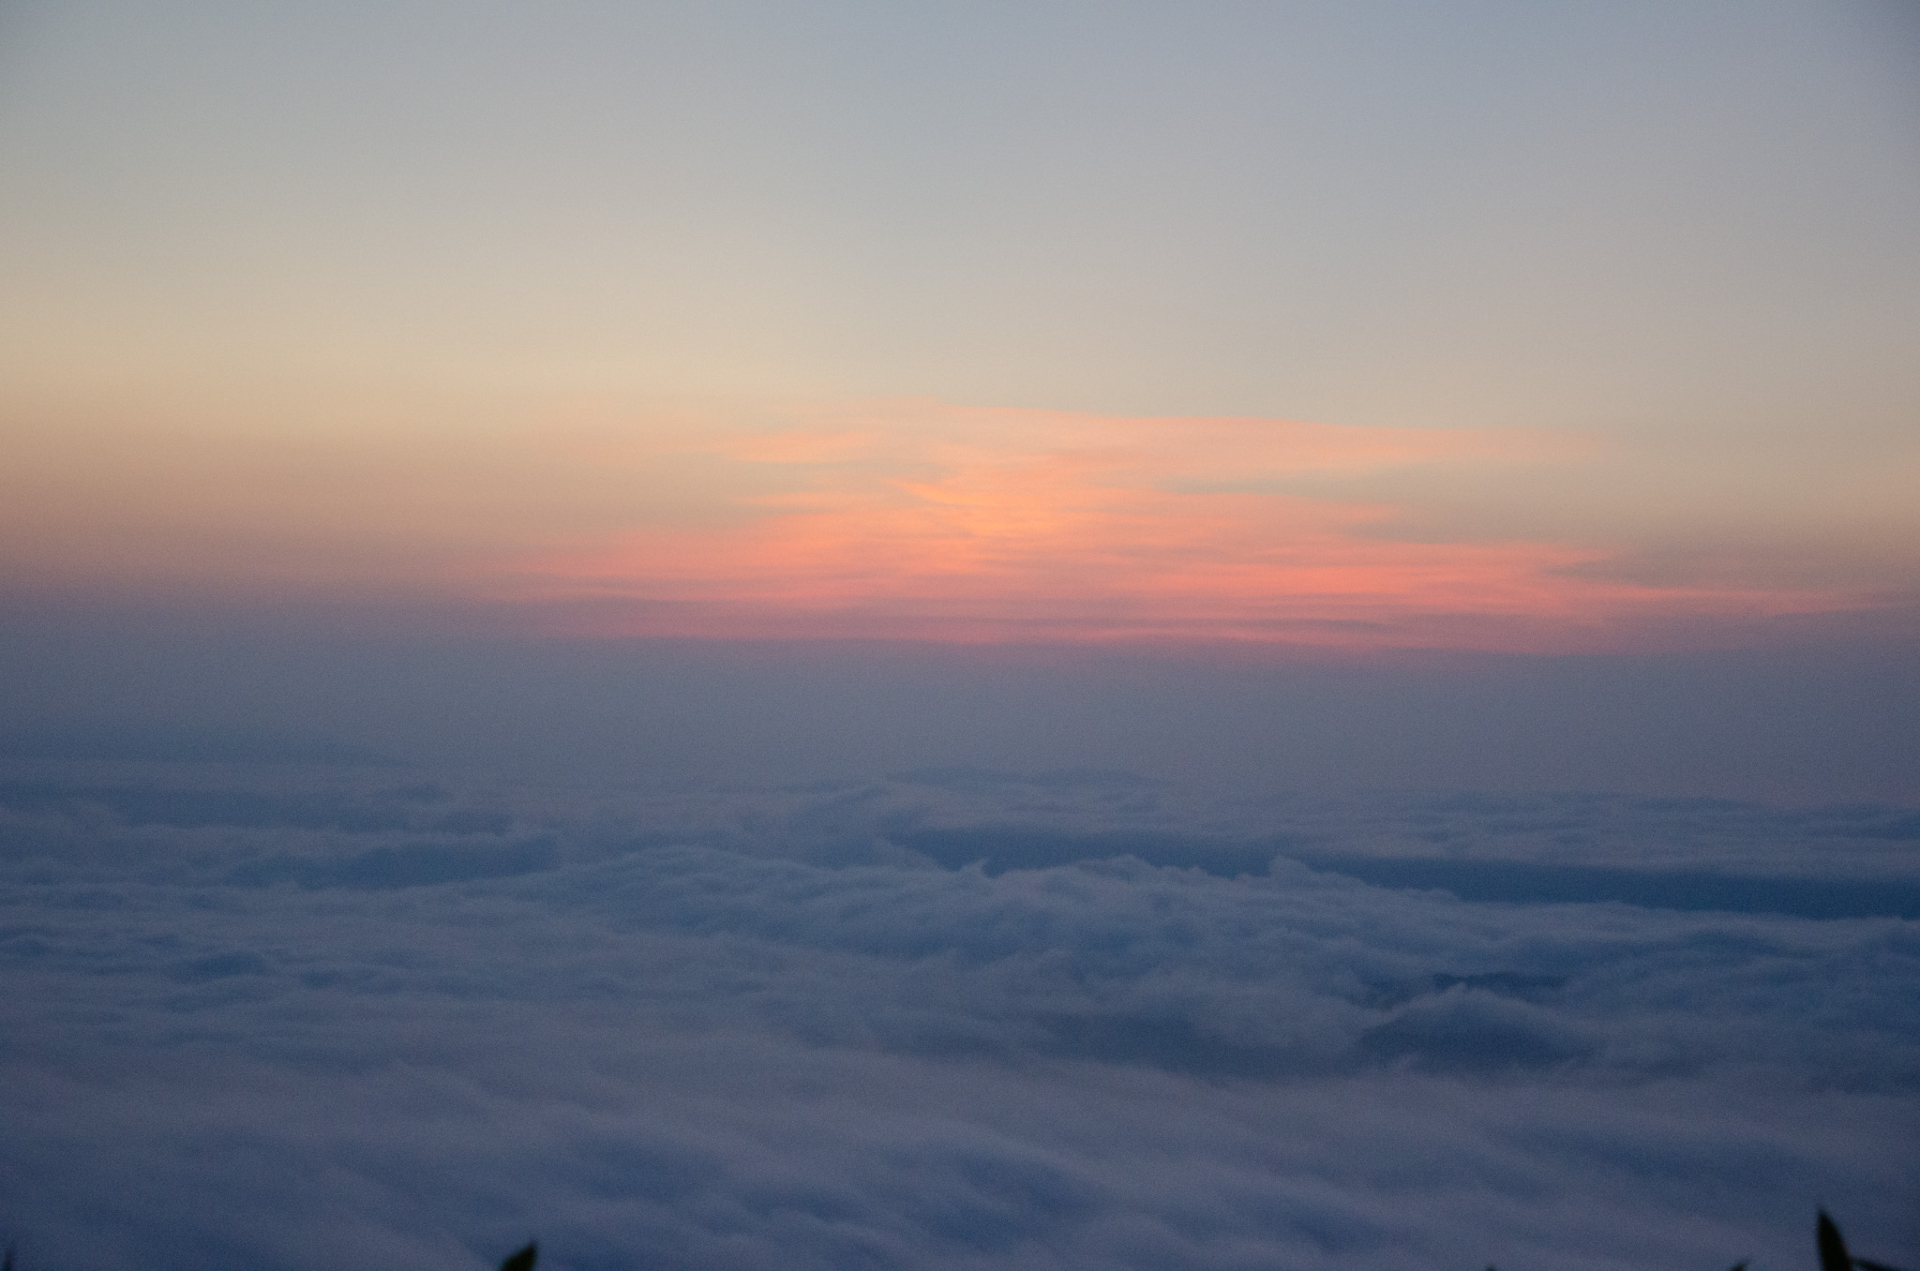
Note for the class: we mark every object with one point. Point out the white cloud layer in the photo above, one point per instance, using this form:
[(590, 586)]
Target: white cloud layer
[(313, 1018)]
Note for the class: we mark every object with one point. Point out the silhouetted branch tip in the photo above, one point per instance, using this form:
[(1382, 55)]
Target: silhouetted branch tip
[(1833, 1250), (523, 1260)]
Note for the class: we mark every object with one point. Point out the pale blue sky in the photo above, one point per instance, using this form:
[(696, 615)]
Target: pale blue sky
[(1639, 217)]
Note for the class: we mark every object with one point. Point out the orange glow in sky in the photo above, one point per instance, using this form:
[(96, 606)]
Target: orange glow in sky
[(921, 521), (881, 519)]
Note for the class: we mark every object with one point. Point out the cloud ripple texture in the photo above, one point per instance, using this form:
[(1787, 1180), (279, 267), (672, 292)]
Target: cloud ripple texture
[(312, 1016)]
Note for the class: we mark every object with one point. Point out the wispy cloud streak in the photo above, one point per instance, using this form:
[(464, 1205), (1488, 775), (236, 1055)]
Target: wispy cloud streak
[(925, 521), (907, 519)]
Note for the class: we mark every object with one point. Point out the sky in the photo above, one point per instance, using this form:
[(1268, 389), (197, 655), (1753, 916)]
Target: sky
[(1492, 326), (1571, 346), (958, 636)]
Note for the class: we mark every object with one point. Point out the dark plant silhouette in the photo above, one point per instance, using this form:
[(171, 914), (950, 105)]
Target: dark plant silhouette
[(1833, 1250), (1826, 1236)]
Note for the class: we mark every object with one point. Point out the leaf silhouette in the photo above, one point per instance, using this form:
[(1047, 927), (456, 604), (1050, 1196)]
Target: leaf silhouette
[(523, 1260), (1833, 1250)]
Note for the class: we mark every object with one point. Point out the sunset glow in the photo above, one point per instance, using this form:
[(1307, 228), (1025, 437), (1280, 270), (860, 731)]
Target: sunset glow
[(903, 519), (931, 522)]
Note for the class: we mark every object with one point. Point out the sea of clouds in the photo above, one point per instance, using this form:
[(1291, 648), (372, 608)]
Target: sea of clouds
[(307, 1015)]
